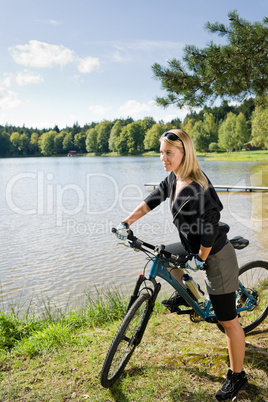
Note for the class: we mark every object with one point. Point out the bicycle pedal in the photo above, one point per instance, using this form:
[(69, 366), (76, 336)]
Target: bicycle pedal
[(173, 309)]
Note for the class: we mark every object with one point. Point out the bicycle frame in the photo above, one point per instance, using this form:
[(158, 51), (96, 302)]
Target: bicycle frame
[(158, 268)]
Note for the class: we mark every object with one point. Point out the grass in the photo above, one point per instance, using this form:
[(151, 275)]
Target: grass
[(240, 156), (59, 357)]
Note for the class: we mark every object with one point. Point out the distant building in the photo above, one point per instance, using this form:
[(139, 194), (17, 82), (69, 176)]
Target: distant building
[(71, 153), (249, 147)]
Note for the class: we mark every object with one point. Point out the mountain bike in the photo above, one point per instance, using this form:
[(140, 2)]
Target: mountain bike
[(251, 301)]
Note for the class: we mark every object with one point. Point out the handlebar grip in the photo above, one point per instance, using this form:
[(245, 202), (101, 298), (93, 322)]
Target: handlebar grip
[(113, 230)]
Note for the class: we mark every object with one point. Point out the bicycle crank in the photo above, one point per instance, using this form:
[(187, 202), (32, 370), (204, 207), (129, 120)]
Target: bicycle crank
[(194, 317)]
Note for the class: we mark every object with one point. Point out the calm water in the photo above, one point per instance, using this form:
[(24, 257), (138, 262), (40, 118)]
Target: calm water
[(57, 215)]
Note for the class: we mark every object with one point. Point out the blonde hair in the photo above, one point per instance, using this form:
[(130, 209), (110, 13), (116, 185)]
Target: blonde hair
[(189, 168)]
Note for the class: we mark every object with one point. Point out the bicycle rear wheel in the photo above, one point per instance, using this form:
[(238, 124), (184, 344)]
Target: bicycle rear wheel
[(125, 341), (254, 277)]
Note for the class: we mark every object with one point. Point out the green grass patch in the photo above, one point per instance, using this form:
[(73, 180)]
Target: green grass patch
[(240, 156), (151, 153), (59, 357)]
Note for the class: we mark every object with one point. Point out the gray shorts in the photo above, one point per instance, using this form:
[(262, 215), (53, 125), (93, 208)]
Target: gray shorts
[(222, 271)]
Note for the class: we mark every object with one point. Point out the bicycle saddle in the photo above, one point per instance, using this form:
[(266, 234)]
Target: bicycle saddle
[(239, 242)]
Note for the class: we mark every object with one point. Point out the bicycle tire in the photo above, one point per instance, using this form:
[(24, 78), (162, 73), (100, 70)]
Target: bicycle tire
[(123, 344), (254, 277)]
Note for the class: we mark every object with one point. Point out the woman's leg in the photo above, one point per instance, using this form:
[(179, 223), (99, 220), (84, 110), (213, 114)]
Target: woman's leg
[(236, 343), (178, 249), (225, 310), (175, 299)]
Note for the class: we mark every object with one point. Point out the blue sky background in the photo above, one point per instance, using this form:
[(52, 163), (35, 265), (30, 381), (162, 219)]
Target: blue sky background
[(72, 61)]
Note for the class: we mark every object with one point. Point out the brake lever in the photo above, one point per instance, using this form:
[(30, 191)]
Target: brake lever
[(123, 244)]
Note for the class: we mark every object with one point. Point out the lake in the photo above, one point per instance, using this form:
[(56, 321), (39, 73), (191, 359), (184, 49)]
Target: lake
[(57, 215)]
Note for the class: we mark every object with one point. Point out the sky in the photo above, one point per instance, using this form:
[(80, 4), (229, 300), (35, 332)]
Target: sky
[(64, 62)]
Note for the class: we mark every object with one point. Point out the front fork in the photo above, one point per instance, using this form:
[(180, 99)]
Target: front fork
[(154, 292), (151, 302)]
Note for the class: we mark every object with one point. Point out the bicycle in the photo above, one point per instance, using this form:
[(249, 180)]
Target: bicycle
[(251, 301)]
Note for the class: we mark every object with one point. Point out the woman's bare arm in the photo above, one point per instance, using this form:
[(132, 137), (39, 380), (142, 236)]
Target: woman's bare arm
[(138, 213)]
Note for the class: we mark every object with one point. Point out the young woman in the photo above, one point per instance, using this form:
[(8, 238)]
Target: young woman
[(195, 208)]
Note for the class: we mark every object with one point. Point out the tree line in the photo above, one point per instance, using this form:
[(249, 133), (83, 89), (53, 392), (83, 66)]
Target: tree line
[(212, 129)]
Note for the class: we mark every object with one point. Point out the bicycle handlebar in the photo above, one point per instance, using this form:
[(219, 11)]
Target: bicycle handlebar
[(160, 250)]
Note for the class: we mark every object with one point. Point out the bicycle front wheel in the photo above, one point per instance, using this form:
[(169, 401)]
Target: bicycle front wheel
[(125, 341)]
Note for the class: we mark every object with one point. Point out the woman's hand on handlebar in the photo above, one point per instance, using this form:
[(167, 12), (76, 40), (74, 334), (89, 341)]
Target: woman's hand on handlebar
[(195, 262), (122, 231)]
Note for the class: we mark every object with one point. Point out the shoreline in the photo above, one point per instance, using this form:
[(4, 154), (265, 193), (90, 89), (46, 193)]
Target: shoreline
[(239, 156)]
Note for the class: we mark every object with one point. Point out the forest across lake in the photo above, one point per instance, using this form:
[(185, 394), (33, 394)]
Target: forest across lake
[(222, 128)]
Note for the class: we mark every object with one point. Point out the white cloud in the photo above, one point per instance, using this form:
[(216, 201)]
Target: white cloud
[(27, 77), (54, 22), (41, 54), (8, 99), (98, 110), (134, 51), (132, 108), (88, 64), (6, 82), (77, 79), (122, 56)]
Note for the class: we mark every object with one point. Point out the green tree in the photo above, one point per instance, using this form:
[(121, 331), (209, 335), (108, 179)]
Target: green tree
[(80, 142), (103, 134), (211, 128), (227, 132), (236, 69), (151, 140), (75, 129), (91, 140), (176, 123), (67, 142), (122, 142), (204, 132), (15, 142), (34, 144), (24, 144), (260, 125), (199, 137), (148, 122), (4, 143), (47, 143), (58, 143), (241, 134), (114, 135), (135, 137), (188, 124), (214, 147)]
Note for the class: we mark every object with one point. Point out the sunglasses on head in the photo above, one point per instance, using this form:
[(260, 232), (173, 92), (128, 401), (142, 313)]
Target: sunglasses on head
[(172, 137)]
